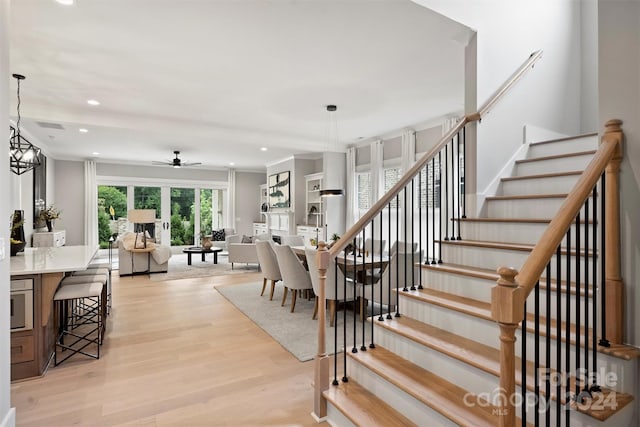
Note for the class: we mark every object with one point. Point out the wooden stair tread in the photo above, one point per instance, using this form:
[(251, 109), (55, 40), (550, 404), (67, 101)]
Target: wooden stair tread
[(565, 138), (440, 395), (487, 359), (540, 176), (502, 245), (492, 275), (363, 408), (556, 156)]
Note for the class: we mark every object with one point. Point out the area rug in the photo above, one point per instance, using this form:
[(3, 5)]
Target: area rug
[(178, 268), (297, 332)]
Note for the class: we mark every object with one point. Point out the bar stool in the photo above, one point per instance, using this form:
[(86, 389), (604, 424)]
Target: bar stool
[(99, 268), (82, 327), (89, 305)]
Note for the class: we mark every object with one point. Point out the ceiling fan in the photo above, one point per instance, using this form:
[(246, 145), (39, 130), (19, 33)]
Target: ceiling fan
[(177, 162)]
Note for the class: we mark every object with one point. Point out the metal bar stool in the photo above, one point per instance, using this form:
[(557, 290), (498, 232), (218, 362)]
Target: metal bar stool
[(99, 268), (88, 305), (84, 328)]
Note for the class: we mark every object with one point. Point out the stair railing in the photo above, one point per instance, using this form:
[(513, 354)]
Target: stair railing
[(579, 261), (433, 187)]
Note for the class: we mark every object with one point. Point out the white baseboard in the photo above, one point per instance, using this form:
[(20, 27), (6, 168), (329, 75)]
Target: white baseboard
[(9, 419)]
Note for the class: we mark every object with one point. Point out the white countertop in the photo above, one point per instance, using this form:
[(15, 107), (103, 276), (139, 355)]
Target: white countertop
[(51, 260)]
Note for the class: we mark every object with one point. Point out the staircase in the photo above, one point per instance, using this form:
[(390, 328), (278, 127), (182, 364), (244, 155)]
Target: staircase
[(438, 363)]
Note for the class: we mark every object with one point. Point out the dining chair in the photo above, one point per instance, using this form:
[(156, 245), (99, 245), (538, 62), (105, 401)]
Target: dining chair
[(294, 276), (330, 284), (403, 247), (268, 265), (293, 240), (396, 275), (371, 245)]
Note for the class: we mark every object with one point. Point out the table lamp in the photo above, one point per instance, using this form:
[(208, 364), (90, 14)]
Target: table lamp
[(140, 217)]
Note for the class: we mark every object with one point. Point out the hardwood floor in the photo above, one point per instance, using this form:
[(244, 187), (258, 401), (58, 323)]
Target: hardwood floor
[(176, 353)]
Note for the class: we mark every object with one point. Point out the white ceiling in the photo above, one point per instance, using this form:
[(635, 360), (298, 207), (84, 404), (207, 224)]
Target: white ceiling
[(218, 79)]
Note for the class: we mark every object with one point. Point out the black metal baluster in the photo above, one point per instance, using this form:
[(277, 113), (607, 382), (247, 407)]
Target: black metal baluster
[(420, 228), (446, 194), (389, 275), (453, 192), (354, 349), (439, 207), (523, 367), (344, 327), (536, 353), (558, 334), (578, 259), (457, 192), (397, 266), (567, 364), (365, 279), (405, 240), (587, 257), (594, 291), (335, 323), (603, 257), (413, 261), (547, 388), (464, 172), (433, 206)]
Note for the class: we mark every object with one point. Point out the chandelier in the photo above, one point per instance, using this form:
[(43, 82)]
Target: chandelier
[(23, 155)]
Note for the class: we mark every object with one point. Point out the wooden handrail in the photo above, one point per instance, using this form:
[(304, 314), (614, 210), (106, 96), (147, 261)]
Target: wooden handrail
[(555, 232), (406, 178)]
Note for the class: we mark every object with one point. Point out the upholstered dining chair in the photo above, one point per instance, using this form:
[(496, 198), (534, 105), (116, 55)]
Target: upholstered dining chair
[(292, 240), (378, 246), (294, 276), (403, 247), (330, 284), (268, 265), (382, 290)]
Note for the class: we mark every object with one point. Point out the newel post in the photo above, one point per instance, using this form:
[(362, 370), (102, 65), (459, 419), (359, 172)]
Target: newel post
[(321, 374), (614, 303), (507, 308)]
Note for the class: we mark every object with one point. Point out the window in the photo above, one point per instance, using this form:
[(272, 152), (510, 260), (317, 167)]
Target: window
[(391, 177), (112, 212), (363, 189)]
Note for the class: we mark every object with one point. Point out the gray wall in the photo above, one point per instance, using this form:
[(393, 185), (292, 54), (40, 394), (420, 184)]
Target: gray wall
[(69, 190), (248, 200)]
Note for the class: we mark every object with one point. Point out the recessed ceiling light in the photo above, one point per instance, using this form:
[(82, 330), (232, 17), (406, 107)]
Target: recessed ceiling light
[(95, 153), (263, 149), (65, 2), (83, 130), (231, 163), (93, 102)]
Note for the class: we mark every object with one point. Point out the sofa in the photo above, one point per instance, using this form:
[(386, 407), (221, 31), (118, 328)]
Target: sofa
[(243, 252), (156, 261)]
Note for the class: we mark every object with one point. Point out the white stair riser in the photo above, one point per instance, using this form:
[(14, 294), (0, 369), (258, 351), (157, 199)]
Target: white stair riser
[(563, 147), (404, 403), (480, 290), (562, 164), (550, 185), (336, 418), (492, 258), (487, 332), (526, 208), (507, 232)]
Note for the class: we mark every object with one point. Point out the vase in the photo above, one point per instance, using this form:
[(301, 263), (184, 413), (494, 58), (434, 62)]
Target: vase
[(17, 233), (49, 226), (206, 242)]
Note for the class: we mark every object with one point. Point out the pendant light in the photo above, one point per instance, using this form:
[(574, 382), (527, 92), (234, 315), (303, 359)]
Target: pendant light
[(332, 139), (23, 155)]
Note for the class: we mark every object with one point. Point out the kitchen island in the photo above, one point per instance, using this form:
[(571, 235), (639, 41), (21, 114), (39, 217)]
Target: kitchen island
[(33, 341)]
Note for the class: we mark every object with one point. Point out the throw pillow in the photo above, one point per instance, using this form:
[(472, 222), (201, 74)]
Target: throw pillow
[(247, 239), (218, 235)]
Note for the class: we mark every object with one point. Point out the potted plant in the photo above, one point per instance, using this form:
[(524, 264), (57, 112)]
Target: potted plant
[(48, 215)]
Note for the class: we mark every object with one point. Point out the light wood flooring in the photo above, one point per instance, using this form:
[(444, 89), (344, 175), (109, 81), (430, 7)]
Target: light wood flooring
[(176, 353)]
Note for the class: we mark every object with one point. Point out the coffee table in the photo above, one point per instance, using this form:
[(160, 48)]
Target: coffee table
[(203, 251)]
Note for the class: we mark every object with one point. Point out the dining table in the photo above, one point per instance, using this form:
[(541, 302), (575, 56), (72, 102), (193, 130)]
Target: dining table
[(354, 265)]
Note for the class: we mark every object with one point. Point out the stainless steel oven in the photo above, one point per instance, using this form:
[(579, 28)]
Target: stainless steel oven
[(21, 304)]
